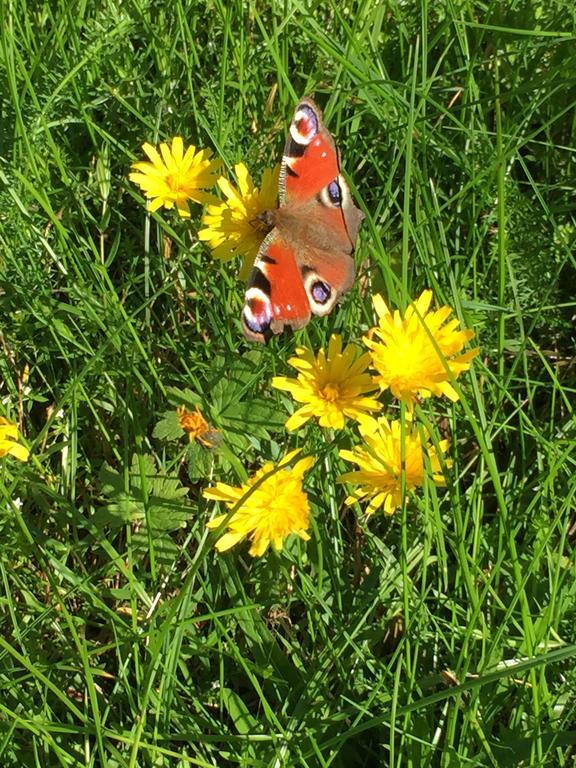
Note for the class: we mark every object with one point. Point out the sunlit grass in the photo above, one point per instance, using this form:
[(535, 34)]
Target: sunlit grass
[(441, 635)]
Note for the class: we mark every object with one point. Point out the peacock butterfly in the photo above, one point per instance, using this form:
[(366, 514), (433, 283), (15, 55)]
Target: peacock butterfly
[(305, 262)]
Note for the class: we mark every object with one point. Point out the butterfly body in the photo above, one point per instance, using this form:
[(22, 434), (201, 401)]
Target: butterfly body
[(305, 263)]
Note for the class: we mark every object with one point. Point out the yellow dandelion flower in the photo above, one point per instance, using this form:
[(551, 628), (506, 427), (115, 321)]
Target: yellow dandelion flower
[(173, 177), (196, 427), (9, 444), (418, 354), (380, 463), (269, 506), (233, 227), (331, 386)]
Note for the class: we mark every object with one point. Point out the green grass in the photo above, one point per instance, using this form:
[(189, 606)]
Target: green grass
[(125, 639)]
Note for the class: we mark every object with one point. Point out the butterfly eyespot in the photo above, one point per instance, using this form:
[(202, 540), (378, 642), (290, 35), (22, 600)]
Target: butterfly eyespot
[(305, 125), (321, 295), (257, 312), (334, 193), (321, 292), (256, 326)]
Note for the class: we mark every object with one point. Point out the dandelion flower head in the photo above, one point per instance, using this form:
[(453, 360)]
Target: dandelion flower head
[(233, 227), (332, 387), (269, 506), (173, 177), (379, 461), (418, 354), (9, 445)]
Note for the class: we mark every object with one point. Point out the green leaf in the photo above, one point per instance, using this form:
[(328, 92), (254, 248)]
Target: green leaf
[(145, 496), (168, 428)]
